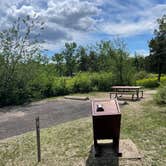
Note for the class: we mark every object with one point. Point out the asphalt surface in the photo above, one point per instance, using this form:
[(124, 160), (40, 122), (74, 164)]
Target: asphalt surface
[(19, 120)]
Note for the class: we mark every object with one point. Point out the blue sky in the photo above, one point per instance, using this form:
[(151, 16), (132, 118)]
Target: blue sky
[(89, 21)]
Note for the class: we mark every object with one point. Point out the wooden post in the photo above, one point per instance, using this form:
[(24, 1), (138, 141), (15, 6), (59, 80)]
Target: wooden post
[(38, 139)]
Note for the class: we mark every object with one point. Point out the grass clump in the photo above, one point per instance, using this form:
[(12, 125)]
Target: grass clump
[(65, 144), (160, 97)]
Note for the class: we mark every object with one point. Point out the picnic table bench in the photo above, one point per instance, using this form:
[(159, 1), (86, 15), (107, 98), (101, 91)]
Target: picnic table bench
[(126, 90)]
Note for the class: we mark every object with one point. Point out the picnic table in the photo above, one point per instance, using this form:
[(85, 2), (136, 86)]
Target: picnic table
[(134, 90)]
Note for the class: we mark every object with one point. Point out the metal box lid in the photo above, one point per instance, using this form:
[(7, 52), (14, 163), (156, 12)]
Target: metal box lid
[(110, 107)]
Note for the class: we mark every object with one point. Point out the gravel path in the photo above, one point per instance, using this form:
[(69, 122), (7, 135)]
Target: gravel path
[(18, 120)]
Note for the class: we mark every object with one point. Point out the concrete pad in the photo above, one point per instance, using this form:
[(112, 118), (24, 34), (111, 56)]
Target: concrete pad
[(130, 155), (121, 102), (129, 149), (76, 97)]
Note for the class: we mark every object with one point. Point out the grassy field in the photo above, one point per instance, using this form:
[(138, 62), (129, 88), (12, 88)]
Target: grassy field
[(70, 144)]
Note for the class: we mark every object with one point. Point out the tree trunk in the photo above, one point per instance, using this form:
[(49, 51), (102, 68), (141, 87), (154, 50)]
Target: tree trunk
[(159, 72)]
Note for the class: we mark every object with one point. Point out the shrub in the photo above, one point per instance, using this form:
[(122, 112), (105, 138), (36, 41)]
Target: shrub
[(163, 80), (101, 81), (86, 82), (141, 75), (105, 81), (150, 82), (95, 79), (82, 83), (70, 85), (38, 86), (59, 86), (160, 97)]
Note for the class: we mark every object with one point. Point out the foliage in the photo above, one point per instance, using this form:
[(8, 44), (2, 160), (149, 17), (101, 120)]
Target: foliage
[(105, 55), (70, 58), (59, 87), (86, 82), (150, 82), (102, 81), (59, 60), (40, 86), (93, 61), (70, 84), (139, 62), (121, 66), (83, 59), (141, 75), (82, 82), (157, 46), (48, 86), (160, 97), (19, 50)]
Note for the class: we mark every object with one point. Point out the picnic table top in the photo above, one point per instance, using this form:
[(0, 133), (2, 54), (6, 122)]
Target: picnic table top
[(126, 87)]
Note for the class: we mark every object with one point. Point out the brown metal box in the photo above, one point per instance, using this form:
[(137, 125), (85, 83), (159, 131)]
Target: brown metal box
[(106, 122)]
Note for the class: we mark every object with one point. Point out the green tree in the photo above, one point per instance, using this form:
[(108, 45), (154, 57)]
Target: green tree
[(58, 58), (139, 62), (122, 67), (157, 47), (105, 55), (83, 59), (93, 61), (70, 58), (18, 48)]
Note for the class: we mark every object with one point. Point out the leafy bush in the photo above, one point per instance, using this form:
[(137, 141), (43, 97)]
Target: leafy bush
[(70, 85), (95, 78), (82, 83), (86, 82), (105, 81), (160, 97), (163, 80), (38, 86), (150, 82), (141, 75), (59, 87), (44, 85)]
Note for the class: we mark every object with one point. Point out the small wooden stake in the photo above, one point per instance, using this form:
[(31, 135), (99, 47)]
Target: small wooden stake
[(38, 139)]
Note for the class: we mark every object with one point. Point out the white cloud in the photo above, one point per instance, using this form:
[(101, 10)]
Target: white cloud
[(63, 19), (127, 28), (76, 20), (134, 21)]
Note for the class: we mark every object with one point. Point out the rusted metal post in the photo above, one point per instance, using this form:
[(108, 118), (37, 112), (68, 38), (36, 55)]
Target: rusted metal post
[(38, 139)]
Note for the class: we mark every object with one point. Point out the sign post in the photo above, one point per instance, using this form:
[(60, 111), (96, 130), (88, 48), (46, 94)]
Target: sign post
[(38, 139)]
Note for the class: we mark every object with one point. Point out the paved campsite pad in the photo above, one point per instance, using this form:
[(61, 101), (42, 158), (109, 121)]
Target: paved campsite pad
[(21, 119), (130, 155)]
